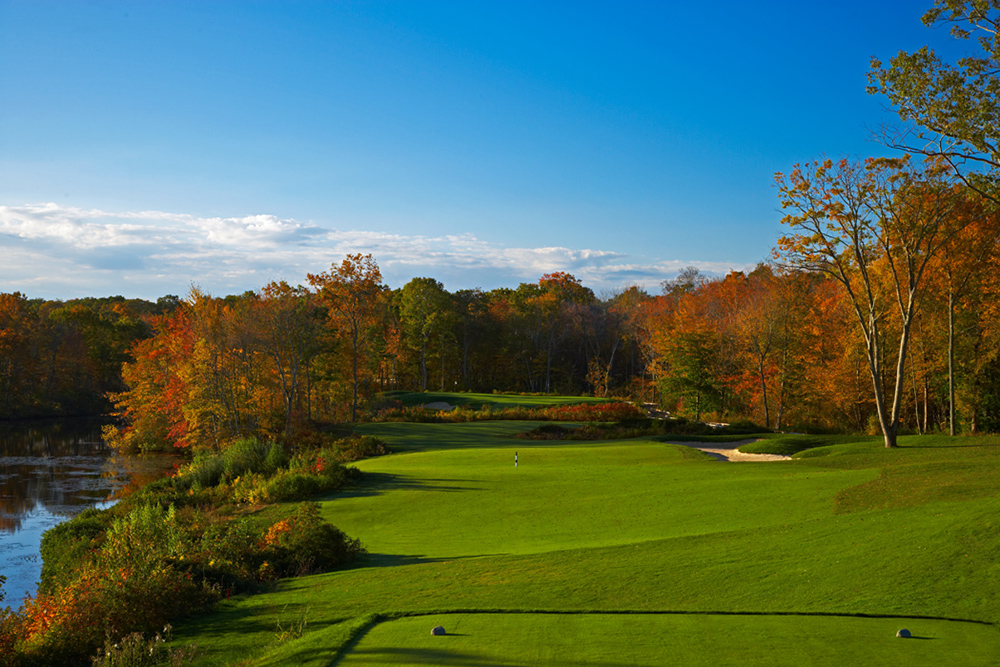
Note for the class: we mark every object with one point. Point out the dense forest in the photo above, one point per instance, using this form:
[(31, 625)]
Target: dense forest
[(63, 358), (781, 345)]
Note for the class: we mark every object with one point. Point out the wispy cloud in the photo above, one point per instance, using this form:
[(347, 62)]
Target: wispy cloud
[(60, 252)]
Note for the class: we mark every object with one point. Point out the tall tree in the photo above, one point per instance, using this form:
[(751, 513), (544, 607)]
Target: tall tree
[(960, 264), (424, 309), (352, 291), (873, 227), (288, 319)]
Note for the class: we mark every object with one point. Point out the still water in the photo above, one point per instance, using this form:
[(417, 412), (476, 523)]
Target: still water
[(49, 472)]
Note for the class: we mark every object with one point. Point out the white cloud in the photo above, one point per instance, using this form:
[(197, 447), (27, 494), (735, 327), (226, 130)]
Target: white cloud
[(61, 252)]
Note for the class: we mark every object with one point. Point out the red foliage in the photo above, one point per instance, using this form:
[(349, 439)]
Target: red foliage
[(593, 412)]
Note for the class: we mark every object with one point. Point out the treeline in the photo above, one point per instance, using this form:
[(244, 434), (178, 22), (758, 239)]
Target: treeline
[(64, 357), (273, 361), (779, 347)]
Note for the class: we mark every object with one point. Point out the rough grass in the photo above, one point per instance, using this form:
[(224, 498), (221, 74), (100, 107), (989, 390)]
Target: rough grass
[(642, 526)]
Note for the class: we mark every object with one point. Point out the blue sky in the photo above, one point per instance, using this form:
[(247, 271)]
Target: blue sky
[(146, 146)]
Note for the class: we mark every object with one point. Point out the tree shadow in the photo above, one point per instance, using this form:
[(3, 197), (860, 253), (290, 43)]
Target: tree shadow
[(445, 656), (250, 620), (378, 483), (398, 560)]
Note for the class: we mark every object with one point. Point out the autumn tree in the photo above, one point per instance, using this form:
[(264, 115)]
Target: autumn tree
[(153, 408), (546, 312), (290, 324), (873, 227), (352, 291), (959, 267)]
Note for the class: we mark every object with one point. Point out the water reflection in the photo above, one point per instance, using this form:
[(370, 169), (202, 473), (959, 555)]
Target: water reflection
[(50, 472)]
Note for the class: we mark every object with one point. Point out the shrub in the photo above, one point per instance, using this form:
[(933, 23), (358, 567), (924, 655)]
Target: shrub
[(304, 543), (142, 539), (68, 543), (742, 427), (67, 627), (293, 485), (131, 568), (599, 412), (547, 432), (360, 447), (135, 650), (241, 457)]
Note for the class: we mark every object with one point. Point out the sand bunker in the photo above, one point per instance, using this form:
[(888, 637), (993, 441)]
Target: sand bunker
[(438, 405), (727, 451)]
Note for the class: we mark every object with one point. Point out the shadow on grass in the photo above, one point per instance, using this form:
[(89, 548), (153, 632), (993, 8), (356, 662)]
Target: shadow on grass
[(377, 483), (398, 560), (256, 622), (444, 656)]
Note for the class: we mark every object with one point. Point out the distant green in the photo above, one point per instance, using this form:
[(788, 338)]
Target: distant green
[(477, 401)]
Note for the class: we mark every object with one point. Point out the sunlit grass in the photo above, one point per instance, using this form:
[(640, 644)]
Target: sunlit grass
[(642, 526), (474, 400), (602, 640)]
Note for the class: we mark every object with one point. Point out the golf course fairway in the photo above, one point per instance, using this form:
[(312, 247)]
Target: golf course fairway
[(638, 552)]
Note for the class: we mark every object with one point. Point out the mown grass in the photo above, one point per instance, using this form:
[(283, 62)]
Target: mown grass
[(790, 444), (642, 526), (479, 401), (583, 639)]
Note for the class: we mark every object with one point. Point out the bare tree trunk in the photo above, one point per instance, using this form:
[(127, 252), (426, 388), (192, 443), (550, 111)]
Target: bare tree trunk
[(763, 388), (926, 402), (951, 362)]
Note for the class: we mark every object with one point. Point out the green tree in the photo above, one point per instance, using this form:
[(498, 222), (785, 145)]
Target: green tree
[(425, 311), (952, 110)]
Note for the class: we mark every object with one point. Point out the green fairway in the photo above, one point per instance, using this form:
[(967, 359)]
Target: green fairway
[(454, 528)]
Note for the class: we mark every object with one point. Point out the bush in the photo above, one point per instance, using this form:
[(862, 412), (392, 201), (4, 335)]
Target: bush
[(305, 544), (594, 412), (547, 432), (69, 543), (360, 447), (241, 457), (742, 427), (136, 651), (67, 627), (293, 485)]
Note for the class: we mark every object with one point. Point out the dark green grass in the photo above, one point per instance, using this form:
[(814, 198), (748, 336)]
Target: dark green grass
[(790, 444), (478, 401), (644, 526)]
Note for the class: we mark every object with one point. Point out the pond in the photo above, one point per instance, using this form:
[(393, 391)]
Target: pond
[(49, 472)]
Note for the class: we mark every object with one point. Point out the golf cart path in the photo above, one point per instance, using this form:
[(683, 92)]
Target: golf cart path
[(727, 451)]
